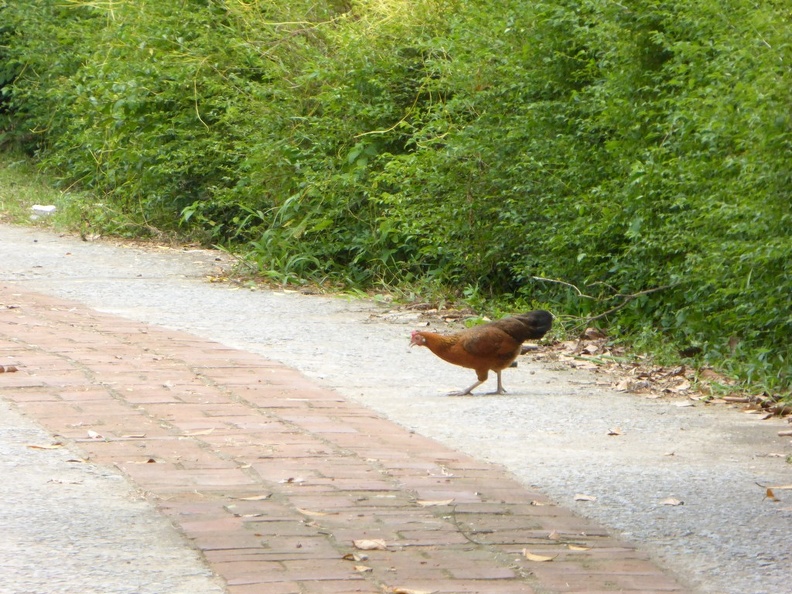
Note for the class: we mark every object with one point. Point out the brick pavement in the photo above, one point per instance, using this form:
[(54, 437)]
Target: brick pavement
[(275, 479)]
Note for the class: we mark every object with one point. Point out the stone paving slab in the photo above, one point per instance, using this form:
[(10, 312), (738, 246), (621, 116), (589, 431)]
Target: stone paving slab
[(275, 479)]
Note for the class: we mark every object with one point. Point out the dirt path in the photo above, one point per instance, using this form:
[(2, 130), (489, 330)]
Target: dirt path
[(551, 430)]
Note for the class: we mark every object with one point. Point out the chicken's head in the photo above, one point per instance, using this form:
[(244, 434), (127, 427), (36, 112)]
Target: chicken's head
[(417, 339)]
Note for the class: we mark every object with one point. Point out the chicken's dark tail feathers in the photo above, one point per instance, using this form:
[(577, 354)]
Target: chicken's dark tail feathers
[(534, 324)]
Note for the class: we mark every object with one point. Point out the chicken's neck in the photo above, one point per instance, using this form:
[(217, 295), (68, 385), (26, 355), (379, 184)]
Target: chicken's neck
[(437, 343)]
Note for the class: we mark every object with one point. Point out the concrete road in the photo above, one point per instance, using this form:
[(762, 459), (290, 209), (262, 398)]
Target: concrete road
[(69, 527), (550, 430)]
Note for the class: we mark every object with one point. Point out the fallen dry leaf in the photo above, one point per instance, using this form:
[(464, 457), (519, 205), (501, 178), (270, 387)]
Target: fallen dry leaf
[(615, 431), (363, 568), (255, 497), (537, 558), (8, 368), (582, 497), (578, 548), (623, 386), (770, 495), (672, 501), (683, 387), (370, 545), (313, 513), (537, 503), (355, 557), (52, 446), (430, 503), (202, 432), (593, 334), (94, 435)]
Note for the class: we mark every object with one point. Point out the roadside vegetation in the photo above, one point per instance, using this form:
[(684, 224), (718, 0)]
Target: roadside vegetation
[(624, 164)]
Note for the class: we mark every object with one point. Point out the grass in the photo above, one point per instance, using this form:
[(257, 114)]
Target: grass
[(22, 187)]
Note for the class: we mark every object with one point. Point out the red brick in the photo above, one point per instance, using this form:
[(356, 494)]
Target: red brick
[(361, 474)]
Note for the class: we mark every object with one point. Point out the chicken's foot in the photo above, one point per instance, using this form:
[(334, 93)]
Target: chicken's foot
[(467, 391)]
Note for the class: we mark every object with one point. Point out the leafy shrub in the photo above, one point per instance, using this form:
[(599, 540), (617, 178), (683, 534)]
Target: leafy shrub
[(626, 161)]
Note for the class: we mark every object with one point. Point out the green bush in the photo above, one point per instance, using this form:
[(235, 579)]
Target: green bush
[(624, 160)]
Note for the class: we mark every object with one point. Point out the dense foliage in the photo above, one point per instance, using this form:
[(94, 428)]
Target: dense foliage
[(638, 151)]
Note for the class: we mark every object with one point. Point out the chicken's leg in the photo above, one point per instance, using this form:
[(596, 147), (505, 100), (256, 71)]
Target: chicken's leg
[(466, 391), (501, 389)]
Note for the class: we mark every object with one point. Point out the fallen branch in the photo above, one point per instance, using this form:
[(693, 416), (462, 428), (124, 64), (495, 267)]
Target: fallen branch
[(560, 282), (628, 299)]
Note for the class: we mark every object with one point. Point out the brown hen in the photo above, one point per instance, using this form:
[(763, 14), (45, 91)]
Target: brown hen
[(493, 346)]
